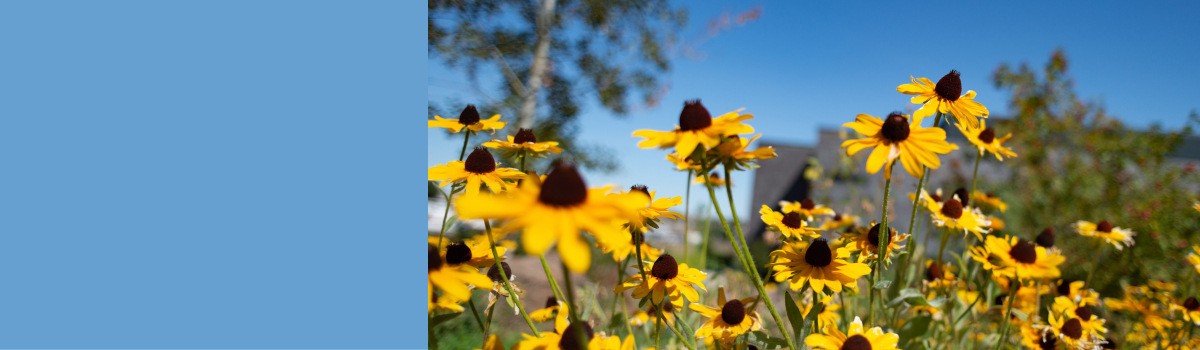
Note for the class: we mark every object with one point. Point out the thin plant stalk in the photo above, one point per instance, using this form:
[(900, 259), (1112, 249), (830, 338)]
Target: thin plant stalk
[(1012, 299), (663, 320), (446, 213), (883, 243), (912, 220), (550, 277), (687, 216), (704, 242), (974, 174), (478, 320), (570, 292), (487, 225)]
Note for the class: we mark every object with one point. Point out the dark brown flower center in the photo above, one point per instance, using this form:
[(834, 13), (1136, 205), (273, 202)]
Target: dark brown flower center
[(469, 115), (668, 307), (837, 217), (935, 197), (551, 302), (999, 299), (563, 187), (1023, 252), (856, 342), (807, 204), (895, 127), (665, 267), (934, 272), (1047, 343), (949, 87), (1064, 287), (694, 116), (641, 189), (1073, 328), (571, 336), (480, 161), (435, 259), (792, 219), (1084, 312), (818, 253), (1046, 238), (987, 135), (1191, 304), (494, 274), (873, 235), (733, 312), (1104, 226), (523, 136), (952, 208), (458, 253), (963, 196), (1108, 344)]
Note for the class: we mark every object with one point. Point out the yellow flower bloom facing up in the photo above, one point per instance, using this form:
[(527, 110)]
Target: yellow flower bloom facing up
[(697, 128), (988, 200), (556, 210), (985, 139), (816, 265), (666, 278), (1194, 258), (728, 320), (1072, 332), (467, 120), (478, 170), (453, 280), (865, 242), (655, 210), (791, 225), (524, 140), (1013, 257), (1118, 237), (953, 215), (896, 138), (1090, 322), (855, 337), (944, 97)]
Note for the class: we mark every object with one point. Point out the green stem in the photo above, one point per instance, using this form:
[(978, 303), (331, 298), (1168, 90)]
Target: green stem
[(663, 320), (942, 246), (445, 217), (550, 278), (487, 325), (523, 156), (883, 243), (487, 225), (974, 175), (478, 320), (466, 137), (570, 292), (753, 268), (1095, 264), (1012, 299), (687, 216), (620, 279), (704, 243)]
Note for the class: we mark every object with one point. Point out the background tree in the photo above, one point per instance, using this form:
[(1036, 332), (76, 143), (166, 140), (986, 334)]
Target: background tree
[(551, 54)]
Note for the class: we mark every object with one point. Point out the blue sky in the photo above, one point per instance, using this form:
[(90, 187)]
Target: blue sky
[(805, 66)]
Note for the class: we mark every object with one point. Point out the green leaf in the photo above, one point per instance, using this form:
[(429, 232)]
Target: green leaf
[(884, 284), (439, 319), (794, 315), (910, 295), (914, 329)]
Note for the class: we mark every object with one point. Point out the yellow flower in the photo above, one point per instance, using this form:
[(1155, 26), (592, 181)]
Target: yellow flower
[(953, 215), (856, 337), (828, 315), (479, 169), (943, 97), (476, 249), (730, 319), (984, 138), (446, 303), (453, 280), (1072, 332), (524, 140), (696, 128), (468, 119), (1013, 257), (1190, 309), (684, 163), (547, 312), (1194, 258), (1068, 308), (666, 278), (790, 224), (866, 242), (493, 343), (650, 315), (566, 336), (1118, 237), (816, 265), (895, 137), (556, 210), (1075, 291), (806, 208), (733, 152), (839, 220), (1146, 304), (987, 199), (1035, 336), (938, 275), (713, 178), (655, 210), (621, 247)]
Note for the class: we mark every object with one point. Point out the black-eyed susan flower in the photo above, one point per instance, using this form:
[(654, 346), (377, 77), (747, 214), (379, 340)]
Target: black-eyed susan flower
[(944, 97), (655, 210), (1026, 298), (571, 336), (807, 208), (729, 319), (500, 290), (839, 221), (697, 128), (953, 215), (1070, 331), (1190, 308), (547, 312), (989, 200), (713, 178), (525, 141), (856, 337), (1035, 336), (1075, 291), (476, 249), (556, 210), (621, 247), (790, 223), (732, 152), (938, 275), (829, 313), (1045, 238), (896, 138), (1013, 257), (985, 139), (1194, 258), (468, 120), (865, 241), (1086, 314), (478, 170), (453, 280), (666, 278), (816, 265), (1145, 305), (1118, 237), (651, 313)]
